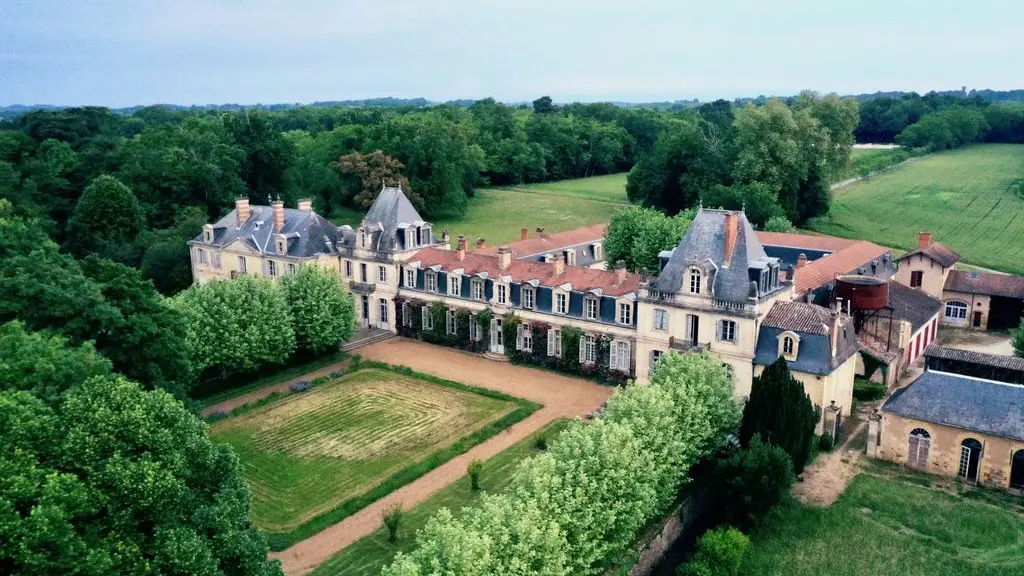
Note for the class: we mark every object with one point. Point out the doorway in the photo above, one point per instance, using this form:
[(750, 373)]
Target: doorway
[(1017, 470), (382, 314), (366, 311), (362, 273), (692, 328), (977, 320), (970, 455), (497, 337)]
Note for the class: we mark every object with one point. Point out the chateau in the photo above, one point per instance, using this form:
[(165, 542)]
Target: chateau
[(547, 299)]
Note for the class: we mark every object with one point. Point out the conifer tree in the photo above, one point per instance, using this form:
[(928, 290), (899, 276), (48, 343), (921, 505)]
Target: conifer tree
[(781, 412)]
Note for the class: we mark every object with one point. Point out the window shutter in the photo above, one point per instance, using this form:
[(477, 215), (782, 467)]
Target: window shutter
[(425, 312), (519, 337), (551, 342), (624, 356), (583, 346), (613, 360)]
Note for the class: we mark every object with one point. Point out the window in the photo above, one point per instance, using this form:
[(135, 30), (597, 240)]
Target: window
[(208, 235), (428, 320), (431, 281), (454, 284), (474, 328), (382, 274), (916, 278), (449, 323), (956, 310), (570, 257), (362, 238), (655, 356), (588, 350), (241, 264), (406, 314), (694, 281), (555, 343), (410, 277), (597, 251), (201, 256), (788, 345), (348, 268), (502, 294), (290, 268), (362, 272), (216, 260), (918, 448), (970, 455), (625, 313), (524, 338), (272, 268), (477, 287), (727, 331), (590, 308), (528, 298), (660, 320), (561, 303), (619, 356)]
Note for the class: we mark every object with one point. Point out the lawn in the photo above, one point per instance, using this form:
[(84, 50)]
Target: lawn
[(882, 526), (367, 556), (304, 455), (963, 197)]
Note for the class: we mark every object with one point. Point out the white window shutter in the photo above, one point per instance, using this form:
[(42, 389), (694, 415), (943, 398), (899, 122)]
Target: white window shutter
[(519, 337), (613, 360), (583, 346), (627, 353), (551, 342), (424, 311)]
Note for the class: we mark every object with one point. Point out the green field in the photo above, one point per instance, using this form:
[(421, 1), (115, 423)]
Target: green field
[(882, 526), (304, 455), (963, 197), (367, 556)]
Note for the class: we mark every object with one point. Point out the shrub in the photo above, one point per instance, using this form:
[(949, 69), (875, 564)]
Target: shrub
[(781, 413), (541, 442), (778, 224), (825, 443), (392, 518), (719, 553), (474, 469), (753, 481), (867, 390)]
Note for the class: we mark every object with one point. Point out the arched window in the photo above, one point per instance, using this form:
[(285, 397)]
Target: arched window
[(970, 454), (1017, 470), (787, 345), (956, 310), (694, 281), (918, 448)]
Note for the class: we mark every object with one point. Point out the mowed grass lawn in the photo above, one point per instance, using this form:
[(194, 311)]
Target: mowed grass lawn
[(306, 453), (883, 527), (962, 196), (367, 556)]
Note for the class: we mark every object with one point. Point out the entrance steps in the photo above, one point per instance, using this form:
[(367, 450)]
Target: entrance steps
[(365, 337), (495, 356)]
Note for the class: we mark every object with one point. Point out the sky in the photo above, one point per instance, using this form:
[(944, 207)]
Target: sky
[(138, 52)]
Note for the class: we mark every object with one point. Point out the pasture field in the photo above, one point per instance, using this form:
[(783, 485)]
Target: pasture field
[(883, 527), (964, 197), (367, 556), (304, 455)]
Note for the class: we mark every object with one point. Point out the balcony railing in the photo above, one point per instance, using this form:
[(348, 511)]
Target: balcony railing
[(687, 345), (362, 287)]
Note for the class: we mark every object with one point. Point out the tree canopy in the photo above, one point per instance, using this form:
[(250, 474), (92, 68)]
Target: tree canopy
[(636, 235), (321, 310), (780, 413)]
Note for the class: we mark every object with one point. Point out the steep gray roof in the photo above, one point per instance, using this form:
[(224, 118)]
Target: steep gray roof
[(704, 242), (390, 209), (309, 233), (984, 406)]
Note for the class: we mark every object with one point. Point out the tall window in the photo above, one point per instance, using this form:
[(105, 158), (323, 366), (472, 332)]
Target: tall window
[(524, 337), (272, 268), (428, 320), (290, 268), (695, 281), (597, 251), (362, 238), (431, 281), (561, 303), (242, 264), (787, 345), (216, 260), (588, 349), (727, 331), (555, 343), (474, 328), (956, 310), (590, 308), (348, 268), (406, 314), (918, 448), (382, 274), (655, 356), (477, 287), (528, 298), (619, 356), (502, 294), (625, 313), (454, 284), (916, 279), (410, 277), (660, 320), (201, 256), (449, 324)]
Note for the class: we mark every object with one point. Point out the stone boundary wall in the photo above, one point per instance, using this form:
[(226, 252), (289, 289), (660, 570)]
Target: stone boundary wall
[(659, 539)]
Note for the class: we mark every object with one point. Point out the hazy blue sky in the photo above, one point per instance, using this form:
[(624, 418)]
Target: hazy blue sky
[(119, 53)]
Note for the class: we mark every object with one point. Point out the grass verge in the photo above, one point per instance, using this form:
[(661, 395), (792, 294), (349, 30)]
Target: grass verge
[(221, 389)]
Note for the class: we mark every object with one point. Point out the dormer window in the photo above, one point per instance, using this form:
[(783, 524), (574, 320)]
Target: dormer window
[(597, 252), (362, 238), (590, 308), (208, 233), (281, 246), (410, 278), (431, 280), (694, 281), (789, 345)]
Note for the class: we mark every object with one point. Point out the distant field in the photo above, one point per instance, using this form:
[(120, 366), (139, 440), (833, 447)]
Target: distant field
[(367, 556), (884, 527), (962, 196), (306, 453)]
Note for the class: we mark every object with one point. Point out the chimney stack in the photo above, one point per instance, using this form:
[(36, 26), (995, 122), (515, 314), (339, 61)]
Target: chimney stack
[(731, 224), (504, 257), (460, 248), (801, 261), (924, 238), (620, 271), (524, 233), (241, 211), (559, 264), (305, 204), (277, 207), (480, 244)]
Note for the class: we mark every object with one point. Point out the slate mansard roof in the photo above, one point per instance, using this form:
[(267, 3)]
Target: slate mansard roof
[(534, 248), (814, 325), (309, 234), (705, 243), (976, 404), (391, 212)]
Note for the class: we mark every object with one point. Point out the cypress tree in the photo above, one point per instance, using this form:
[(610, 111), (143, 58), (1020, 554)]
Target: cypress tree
[(781, 413)]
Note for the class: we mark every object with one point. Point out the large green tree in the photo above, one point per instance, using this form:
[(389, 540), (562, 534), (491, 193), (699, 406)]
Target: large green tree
[(363, 176), (106, 221), (44, 364), (636, 235), (321, 310), (781, 413)]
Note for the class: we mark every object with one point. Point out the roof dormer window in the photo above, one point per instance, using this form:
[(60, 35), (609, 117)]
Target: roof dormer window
[(695, 281), (789, 346), (208, 233)]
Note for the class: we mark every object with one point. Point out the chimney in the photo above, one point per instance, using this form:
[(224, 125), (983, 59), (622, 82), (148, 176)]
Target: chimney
[(924, 238), (480, 244), (731, 223), (277, 207), (801, 261), (460, 248), (305, 204), (524, 233), (241, 211), (504, 257), (620, 271), (559, 264)]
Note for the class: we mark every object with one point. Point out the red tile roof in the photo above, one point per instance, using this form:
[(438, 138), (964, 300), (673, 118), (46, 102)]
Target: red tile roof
[(800, 317), (582, 279), (549, 242), (937, 252), (970, 282), (826, 243), (824, 270)]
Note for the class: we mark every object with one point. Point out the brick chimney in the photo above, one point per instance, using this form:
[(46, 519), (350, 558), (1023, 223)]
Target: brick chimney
[(731, 225), (460, 248), (620, 271), (481, 243), (305, 204), (524, 233), (559, 264), (241, 211), (504, 257), (277, 207), (801, 261), (924, 238)]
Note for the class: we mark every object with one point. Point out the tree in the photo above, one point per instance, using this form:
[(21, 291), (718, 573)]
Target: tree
[(636, 235), (754, 480), (781, 413), (1018, 340), (167, 259), (363, 176), (268, 154), (543, 105), (235, 325), (757, 200), (719, 553), (321, 310), (392, 519), (778, 224), (116, 480), (106, 220), (45, 365)]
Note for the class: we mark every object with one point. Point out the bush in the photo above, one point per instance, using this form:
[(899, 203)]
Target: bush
[(541, 442), (719, 553), (825, 443), (867, 390), (753, 481), (392, 518), (474, 469)]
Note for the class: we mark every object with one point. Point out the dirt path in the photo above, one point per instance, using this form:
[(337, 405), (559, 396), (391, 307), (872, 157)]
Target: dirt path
[(232, 403), (561, 396), (826, 478)]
